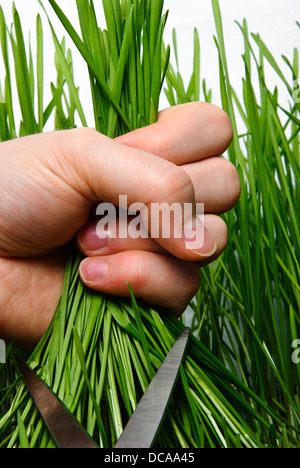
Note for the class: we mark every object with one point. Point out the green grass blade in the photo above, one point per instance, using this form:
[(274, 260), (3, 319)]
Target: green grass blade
[(88, 58), (81, 357), (23, 77), (196, 74), (40, 73), (142, 335), (24, 443), (8, 86), (65, 67), (267, 54)]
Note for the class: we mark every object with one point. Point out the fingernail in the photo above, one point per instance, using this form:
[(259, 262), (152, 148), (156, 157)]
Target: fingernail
[(94, 239), (197, 238), (92, 269)]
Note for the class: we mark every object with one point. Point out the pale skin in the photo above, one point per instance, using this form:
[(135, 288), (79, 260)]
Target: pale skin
[(49, 184)]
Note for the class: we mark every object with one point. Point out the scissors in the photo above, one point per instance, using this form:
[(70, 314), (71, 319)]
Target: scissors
[(143, 426)]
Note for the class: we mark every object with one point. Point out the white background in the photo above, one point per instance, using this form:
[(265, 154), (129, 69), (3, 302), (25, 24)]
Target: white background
[(274, 20)]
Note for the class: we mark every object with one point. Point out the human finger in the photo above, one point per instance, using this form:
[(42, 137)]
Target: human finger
[(161, 280), (184, 133), (216, 183), (218, 227), (93, 240)]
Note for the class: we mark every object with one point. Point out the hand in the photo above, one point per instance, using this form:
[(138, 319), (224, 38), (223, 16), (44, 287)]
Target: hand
[(50, 183)]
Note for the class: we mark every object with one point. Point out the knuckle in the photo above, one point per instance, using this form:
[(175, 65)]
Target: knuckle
[(140, 275), (193, 282), (84, 132), (188, 290), (221, 125), (233, 183), (74, 156), (176, 185), (77, 140), (181, 301), (225, 126)]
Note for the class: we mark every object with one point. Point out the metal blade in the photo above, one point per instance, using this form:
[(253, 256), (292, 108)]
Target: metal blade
[(145, 422), (64, 428)]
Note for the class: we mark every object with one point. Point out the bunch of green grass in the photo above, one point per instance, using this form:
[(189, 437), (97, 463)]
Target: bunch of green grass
[(247, 311), (265, 236), (28, 80), (100, 353)]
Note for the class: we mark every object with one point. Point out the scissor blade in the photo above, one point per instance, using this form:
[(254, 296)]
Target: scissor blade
[(64, 428), (145, 422)]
